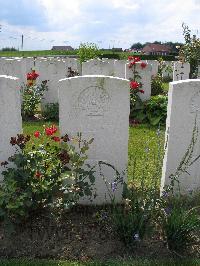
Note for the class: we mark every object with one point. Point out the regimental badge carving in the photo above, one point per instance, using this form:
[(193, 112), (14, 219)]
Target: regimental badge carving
[(93, 101), (195, 103)]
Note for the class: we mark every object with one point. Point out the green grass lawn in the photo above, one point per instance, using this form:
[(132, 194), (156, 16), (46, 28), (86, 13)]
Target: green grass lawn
[(166, 86), (145, 162)]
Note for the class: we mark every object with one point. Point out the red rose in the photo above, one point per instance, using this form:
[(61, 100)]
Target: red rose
[(56, 139), (38, 174), (35, 75), (137, 59), (134, 85), (37, 134), (48, 131), (143, 65), (32, 76), (142, 91), (130, 58), (131, 64), (29, 76), (54, 128), (51, 130)]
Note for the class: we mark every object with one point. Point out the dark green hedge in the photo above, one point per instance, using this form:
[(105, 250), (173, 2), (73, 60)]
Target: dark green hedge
[(102, 54), (156, 57), (110, 55)]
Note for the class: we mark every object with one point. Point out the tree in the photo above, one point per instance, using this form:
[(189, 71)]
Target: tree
[(8, 49), (87, 51), (137, 46), (190, 51)]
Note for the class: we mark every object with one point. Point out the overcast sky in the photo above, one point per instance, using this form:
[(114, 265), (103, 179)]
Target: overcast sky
[(108, 23)]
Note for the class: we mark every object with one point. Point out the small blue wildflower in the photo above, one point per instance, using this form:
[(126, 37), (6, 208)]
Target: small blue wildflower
[(168, 210), (136, 237), (113, 186), (164, 194)]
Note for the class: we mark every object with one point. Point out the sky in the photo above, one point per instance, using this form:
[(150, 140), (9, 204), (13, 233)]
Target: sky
[(108, 23)]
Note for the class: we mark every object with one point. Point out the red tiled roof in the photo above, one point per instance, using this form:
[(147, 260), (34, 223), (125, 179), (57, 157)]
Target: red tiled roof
[(152, 47)]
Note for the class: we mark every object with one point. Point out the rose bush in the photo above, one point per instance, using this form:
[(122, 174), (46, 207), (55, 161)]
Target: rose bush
[(44, 176), (135, 85), (32, 95)]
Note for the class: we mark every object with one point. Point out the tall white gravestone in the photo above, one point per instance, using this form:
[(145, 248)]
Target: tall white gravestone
[(52, 71), (98, 107), (154, 64), (119, 68), (145, 74), (168, 69), (97, 67), (10, 115), (183, 109), (74, 64), (181, 71)]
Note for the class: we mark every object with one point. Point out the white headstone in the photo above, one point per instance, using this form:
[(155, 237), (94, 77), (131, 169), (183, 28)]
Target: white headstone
[(183, 108), (10, 118), (154, 64), (51, 71), (98, 107), (145, 74), (12, 67), (168, 69), (97, 67), (74, 64), (181, 71), (119, 68)]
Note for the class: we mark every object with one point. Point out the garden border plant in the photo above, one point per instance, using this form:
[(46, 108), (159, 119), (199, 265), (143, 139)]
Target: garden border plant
[(48, 175), (32, 94)]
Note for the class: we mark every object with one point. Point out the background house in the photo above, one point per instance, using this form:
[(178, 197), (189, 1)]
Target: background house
[(156, 49), (62, 48)]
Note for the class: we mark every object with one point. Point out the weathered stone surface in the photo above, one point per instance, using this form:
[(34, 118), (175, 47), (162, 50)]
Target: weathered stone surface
[(183, 109), (98, 107), (181, 71), (168, 69), (154, 66), (52, 71), (74, 64), (10, 115), (119, 68), (97, 67)]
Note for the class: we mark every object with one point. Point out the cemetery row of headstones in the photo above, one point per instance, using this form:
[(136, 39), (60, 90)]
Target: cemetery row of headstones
[(98, 106), (54, 69)]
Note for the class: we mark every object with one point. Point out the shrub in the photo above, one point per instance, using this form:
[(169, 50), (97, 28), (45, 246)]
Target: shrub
[(132, 220), (157, 85), (32, 95), (156, 110), (190, 51), (87, 51), (44, 176), (135, 84), (51, 112), (153, 111), (179, 225)]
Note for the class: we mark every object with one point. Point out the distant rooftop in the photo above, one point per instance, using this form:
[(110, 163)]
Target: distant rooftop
[(62, 48), (156, 48)]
